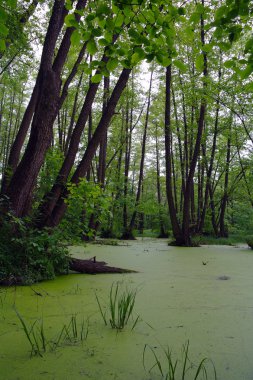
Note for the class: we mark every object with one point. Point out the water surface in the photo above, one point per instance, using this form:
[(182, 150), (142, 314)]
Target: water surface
[(180, 297)]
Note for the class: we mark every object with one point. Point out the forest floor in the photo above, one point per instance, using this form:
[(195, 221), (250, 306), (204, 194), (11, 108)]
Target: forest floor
[(203, 295)]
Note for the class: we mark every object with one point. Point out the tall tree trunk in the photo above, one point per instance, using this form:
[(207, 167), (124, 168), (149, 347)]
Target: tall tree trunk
[(128, 144), (222, 228), (129, 232), (94, 218), (186, 237), (51, 198), (168, 137), (162, 233), (59, 210), (23, 180)]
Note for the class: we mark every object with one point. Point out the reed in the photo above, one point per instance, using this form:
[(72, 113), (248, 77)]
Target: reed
[(121, 307), (72, 332), (35, 335), (176, 369)]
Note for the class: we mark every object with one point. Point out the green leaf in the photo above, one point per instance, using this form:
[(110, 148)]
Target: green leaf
[(86, 36), (12, 3), (75, 38), (166, 61), (3, 14), (96, 32), (181, 11), (127, 11), (92, 47), (108, 36), (135, 59), (150, 16), (96, 78), (119, 20), (112, 64), (229, 64), (220, 12), (68, 5), (4, 31), (195, 17), (225, 46), (180, 65), (2, 45), (102, 42), (199, 63), (103, 9), (248, 46), (246, 72), (70, 20)]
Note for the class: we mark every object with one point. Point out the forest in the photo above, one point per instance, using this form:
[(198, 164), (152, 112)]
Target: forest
[(122, 118)]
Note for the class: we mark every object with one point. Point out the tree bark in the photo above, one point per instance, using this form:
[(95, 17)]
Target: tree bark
[(129, 233), (59, 210), (46, 109), (169, 184)]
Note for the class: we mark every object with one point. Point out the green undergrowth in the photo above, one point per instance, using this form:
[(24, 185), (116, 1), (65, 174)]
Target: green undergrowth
[(212, 240), (29, 255), (249, 241)]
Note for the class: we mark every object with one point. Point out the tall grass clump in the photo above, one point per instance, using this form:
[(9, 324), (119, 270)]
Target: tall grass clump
[(121, 307), (35, 335), (170, 368), (71, 333)]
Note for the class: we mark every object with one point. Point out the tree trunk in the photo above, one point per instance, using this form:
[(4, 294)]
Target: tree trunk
[(51, 198), (85, 163), (222, 228), (46, 109), (129, 232), (186, 237), (162, 233), (169, 184)]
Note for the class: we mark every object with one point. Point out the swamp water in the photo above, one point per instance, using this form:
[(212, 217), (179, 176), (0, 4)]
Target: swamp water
[(201, 294)]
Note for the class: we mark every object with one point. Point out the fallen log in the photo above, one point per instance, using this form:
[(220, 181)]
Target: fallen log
[(92, 266)]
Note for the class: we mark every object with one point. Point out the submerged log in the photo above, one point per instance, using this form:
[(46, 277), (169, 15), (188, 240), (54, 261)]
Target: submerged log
[(92, 266)]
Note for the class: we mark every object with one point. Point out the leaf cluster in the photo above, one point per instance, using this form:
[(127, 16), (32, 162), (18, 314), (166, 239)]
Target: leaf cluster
[(28, 255)]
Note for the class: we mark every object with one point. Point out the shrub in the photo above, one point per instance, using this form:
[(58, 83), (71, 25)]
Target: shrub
[(29, 255), (249, 241)]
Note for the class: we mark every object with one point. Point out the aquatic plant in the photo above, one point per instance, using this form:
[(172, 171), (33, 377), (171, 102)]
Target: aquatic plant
[(72, 332), (35, 335), (176, 369), (121, 306)]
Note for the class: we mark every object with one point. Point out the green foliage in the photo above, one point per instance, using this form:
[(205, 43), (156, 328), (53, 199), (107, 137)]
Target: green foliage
[(176, 369), (28, 255), (85, 199), (121, 306), (249, 241)]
